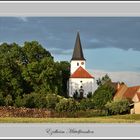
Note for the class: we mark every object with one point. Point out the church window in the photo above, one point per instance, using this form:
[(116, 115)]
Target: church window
[(81, 81), (82, 63), (81, 86), (77, 64)]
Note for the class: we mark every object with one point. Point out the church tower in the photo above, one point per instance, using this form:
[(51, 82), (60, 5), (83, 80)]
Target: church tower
[(80, 81), (78, 57)]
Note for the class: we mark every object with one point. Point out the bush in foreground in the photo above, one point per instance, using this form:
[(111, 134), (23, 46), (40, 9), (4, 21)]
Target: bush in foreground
[(118, 107), (86, 103), (67, 105), (51, 101)]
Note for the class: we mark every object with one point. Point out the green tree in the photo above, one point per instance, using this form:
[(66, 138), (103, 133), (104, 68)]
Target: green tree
[(41, 73), (104, 93), (33, 51), (10, 72), (30, 69), (36, 59), (64, 70), (103, 80)]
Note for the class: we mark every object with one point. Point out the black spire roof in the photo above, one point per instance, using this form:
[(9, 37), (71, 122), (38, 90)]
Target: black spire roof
[(78, 53)]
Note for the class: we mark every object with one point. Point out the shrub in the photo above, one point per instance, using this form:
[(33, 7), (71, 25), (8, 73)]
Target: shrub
[(28, 99), (40, 100), (89, 95), (1, 99), (37, 100), (118, 107), (34, 100), (19, 102), (52, 100), (8, 100), (86, 104), (67, 105), (75, 95)]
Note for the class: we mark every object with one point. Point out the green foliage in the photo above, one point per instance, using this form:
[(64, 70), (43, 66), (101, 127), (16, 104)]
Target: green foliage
[(30, 69), (103, 94), (67, 105), (10, 72), (118, 107), (8, 100), (34, 100), (29, 100), (64, 73), (51, 101), (33, 51), (19, 102), (1, 100), (86, 104), (40, 100), (101, 97), (75, 95), (89, 95), (103, 80)]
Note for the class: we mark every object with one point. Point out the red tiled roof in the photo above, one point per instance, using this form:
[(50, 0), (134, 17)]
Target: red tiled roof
[(131, 91), (81, 73)]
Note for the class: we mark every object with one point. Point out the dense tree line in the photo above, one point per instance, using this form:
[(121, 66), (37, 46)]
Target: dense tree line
[(29, 77), (28, 71)]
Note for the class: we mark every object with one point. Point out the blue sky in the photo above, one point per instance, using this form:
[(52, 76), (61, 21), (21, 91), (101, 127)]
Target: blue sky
[(109, 43)]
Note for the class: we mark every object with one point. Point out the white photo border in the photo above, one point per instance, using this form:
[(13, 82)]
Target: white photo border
[(69, 9)]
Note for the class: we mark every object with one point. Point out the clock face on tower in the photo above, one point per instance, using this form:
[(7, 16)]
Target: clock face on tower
[(82, 63)]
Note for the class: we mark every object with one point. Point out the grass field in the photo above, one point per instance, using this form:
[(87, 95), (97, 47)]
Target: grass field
[(105, 119)]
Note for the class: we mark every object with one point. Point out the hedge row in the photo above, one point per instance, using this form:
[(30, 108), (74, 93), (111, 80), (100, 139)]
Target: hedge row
[(44, 113), (24, 112)]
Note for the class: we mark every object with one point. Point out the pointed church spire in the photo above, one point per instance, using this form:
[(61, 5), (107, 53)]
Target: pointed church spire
[(78, 52)]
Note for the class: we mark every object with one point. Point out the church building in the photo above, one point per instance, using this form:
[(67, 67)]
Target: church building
[(80, 81)]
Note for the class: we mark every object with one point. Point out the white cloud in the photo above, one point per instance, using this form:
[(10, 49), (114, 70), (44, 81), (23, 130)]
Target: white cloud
[(24, 19), (130, 78)]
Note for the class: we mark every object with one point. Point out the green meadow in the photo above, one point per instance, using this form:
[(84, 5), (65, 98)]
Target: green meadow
[(135, 118)]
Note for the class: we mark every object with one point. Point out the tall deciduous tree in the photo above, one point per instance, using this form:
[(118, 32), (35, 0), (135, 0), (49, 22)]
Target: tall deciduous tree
[(30, 69), (103, 80), (10, 72), (104, 93)]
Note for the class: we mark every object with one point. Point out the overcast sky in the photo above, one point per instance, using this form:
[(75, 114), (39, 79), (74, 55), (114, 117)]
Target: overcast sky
[(110, 45)]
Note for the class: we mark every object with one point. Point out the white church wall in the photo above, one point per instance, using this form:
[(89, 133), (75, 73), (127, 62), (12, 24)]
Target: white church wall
[(75, 64), (75, 84)]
